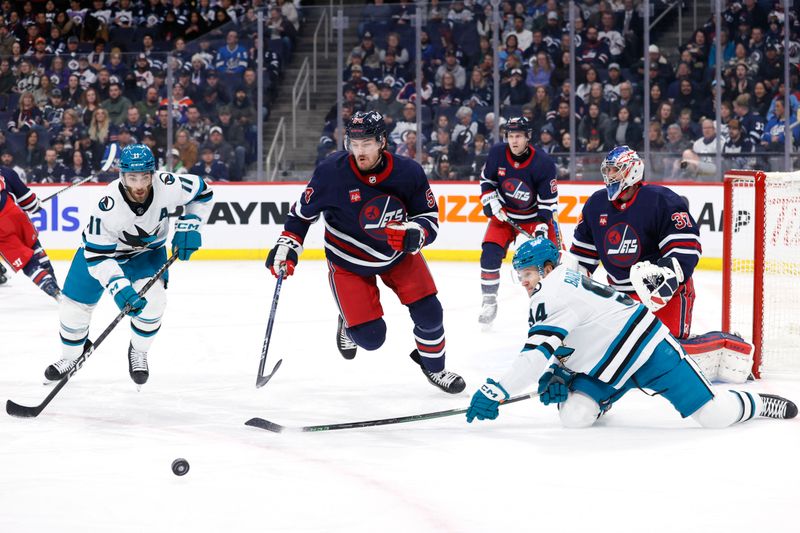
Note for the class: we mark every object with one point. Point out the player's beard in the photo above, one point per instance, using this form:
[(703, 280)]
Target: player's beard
[(138, 195), (365, 163)]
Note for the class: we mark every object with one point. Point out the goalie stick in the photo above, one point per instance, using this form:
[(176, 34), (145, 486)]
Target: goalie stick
[(277, 428), (111, 153), (23, 411), (261, 379)]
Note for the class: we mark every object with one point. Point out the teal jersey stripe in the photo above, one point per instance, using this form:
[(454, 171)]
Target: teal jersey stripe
[(615, 344), (633, 357)]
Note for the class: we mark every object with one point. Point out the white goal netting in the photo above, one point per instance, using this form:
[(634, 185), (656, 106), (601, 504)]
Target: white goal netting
[(764, 266)]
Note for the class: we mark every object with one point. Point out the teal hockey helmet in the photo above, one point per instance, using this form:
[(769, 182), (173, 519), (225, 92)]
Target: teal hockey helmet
[(137, 158), (535, 253)]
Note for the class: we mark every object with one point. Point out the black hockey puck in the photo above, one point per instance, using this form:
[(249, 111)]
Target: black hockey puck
[(180, 466)]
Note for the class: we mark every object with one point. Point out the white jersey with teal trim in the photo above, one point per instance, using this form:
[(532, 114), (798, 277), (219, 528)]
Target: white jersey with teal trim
[(605, 334), (120, 229)]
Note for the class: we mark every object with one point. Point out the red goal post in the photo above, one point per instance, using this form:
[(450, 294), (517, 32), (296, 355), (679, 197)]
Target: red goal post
[(761, 266)]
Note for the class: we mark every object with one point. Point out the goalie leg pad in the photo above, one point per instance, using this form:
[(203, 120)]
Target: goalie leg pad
[(721, 356), (578, 411), (145, 326)]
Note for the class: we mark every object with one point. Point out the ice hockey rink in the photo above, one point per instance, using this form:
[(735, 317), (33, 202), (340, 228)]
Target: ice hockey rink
[(98, 458)]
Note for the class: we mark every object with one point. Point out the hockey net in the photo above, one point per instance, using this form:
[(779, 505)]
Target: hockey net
[(761, 266)]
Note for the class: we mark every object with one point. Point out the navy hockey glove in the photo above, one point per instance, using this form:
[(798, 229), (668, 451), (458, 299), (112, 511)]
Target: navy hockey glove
[(486, 400), (186, 240), (405, 236), (656, 284), (285, 253), (493, 207), (124, 295), (541, 229), (554, 384)]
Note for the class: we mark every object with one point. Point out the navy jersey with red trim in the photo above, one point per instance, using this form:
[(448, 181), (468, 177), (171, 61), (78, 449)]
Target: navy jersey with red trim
[(357, 208), (654, 224), (12, 186), (528, 189)]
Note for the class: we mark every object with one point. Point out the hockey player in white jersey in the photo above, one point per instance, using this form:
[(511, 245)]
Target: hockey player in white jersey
[(589, 344), (123, 246)]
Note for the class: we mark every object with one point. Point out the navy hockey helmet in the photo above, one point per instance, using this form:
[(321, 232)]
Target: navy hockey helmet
[(365, 125), (535, 253), (519, 124)]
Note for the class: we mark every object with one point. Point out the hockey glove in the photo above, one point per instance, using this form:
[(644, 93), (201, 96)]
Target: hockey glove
[(541, 230), (493, 207), (486, 401), (405, 236), (554, 384), (285, 254), (655, 284), (186, 240), (125, 297)]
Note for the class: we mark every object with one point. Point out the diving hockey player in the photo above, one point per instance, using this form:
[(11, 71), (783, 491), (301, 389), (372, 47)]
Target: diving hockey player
[(649, 245), (518, 183), (589, 344), (123, 246), (19, 240), (379, 213)]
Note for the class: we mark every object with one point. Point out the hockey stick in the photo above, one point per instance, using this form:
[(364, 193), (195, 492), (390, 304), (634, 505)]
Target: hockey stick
[(261, 379), (22, 411), (111, 153), (519, 229), (277, 428)]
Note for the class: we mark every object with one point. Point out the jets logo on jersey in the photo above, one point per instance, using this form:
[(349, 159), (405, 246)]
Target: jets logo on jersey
[(518, 193), (141, 239), (106, 203), (622, 245), (378, 212)]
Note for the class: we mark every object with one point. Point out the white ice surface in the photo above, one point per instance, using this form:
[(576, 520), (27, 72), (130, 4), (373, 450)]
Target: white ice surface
[(98, 458)]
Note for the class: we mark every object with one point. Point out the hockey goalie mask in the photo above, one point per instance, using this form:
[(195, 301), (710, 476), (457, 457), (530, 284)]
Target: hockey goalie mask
[(621, 169)]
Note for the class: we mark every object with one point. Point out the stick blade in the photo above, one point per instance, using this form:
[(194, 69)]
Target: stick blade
[(264, 424), (21, 411), (262, 380)]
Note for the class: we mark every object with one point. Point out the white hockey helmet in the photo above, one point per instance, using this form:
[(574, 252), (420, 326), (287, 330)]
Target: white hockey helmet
[(621, 169)]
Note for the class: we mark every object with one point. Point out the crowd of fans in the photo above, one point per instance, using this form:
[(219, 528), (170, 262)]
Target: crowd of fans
[(457, 95), (78, 76)]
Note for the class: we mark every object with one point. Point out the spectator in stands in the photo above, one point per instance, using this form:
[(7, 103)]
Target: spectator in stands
[(31, 154), (524, 36), (386, 104), (752, 125), (441, 169), (761, 99), (465, 126), (440, 144), (74, 92), (407, 122), (408, 146), (624, 130), (101, 130), (376, 13), (773, 139), (594, 120), (540, 71), (656, 99), (27, 116), (689, 127), (794, 103), (513, 90), (393, 45), (728, 49), (50, 170), (289, 11), (233, 132), (451, 66), (77, 168), (477, 92), (243, 110), (8, 159), (590, 78), (89, 104), (511, 49), (54, 109), (143, 73), (210, 167), (592, 51), (195, 126), (7, 78), (187, 148), (561, 70), (117, 105), (231, 58), (447, 94), (665, 116), (102, 84), (27, 79), (41, 95), (738, 143), (370, 54), (148, 108), (283, 29), (657, 144), (223, 151), (699, 159), (392, 72)]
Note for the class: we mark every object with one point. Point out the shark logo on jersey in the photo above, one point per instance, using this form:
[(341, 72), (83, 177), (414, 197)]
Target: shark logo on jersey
[(622, 245), (378, 212), (142, 238), (106, 203), (517, 193)]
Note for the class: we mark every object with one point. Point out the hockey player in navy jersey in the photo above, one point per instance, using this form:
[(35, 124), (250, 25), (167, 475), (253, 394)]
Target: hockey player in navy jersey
[(19, 240), (379, 212), (123, 247), (518, 183), (649, 245), (589, 344)]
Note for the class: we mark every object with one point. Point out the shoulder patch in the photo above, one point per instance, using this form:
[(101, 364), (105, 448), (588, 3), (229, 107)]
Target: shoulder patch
[(307, 195), (106, 203), (166, 178)]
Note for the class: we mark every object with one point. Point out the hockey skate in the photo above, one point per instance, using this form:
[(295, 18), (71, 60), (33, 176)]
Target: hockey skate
[(137, 366), (449, 382), (346, 346), (777, 407), (488, 309), (50, 288), (58, 370)]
